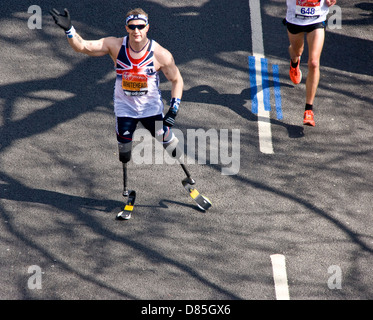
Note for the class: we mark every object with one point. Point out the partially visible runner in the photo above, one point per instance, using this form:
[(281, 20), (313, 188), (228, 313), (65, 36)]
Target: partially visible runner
[(307, 17)]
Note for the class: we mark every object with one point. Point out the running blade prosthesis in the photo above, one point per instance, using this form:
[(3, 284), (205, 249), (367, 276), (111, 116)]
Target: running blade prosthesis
[(202, 202), (128, 208)]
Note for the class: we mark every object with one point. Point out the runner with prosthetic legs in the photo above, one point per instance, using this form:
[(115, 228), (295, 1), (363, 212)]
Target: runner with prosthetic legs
[(137, 97)]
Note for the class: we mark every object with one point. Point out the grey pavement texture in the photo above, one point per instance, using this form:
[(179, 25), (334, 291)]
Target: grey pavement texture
[(61, 181)]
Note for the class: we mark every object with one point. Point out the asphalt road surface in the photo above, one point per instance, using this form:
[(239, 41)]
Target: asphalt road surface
[(61, 181)]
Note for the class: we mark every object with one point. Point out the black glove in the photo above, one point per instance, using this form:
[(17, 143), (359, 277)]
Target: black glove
[(169, 118), (63, 21)]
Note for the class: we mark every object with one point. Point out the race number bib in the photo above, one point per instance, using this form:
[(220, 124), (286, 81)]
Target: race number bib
[(134, 84), (307, 9)]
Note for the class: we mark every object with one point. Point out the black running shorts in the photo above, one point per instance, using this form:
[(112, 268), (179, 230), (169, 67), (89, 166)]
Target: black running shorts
[(125, 128), (295, 28)]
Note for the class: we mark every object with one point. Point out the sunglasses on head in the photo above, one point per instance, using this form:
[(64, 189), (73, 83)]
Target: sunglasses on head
[(138, 26)]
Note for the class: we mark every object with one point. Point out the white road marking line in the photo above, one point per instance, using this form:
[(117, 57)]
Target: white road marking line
[(280, 277), (256, 29), (264, 123)]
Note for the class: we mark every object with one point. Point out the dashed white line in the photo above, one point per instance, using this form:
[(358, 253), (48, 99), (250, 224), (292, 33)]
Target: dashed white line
[(280, 277)]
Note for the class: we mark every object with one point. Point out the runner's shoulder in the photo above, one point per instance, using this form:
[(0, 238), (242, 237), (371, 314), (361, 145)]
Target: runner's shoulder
[(163, 56)]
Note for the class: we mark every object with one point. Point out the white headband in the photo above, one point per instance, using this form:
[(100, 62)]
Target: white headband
[(137, 17)]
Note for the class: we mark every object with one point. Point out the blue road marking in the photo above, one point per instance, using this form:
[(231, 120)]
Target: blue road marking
[(253, 87), (277, 90), (265, 85)]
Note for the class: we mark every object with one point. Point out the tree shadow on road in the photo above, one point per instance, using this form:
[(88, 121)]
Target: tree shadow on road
[(76, 207)]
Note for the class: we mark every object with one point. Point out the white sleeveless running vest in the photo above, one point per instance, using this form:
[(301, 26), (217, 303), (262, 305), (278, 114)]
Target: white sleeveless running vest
[(305, 12), (136, 92)]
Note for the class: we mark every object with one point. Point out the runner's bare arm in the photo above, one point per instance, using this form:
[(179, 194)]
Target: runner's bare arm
[(170, 70), (96, 48)]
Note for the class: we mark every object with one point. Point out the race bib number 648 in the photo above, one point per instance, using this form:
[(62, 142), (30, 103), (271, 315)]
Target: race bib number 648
[(307, 9)]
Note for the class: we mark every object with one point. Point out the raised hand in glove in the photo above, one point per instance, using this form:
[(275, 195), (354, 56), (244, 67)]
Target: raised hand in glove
[(62, 20), (169, 118)]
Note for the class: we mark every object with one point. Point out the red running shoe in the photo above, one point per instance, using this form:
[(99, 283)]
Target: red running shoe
[(308, 118), (295, 73)]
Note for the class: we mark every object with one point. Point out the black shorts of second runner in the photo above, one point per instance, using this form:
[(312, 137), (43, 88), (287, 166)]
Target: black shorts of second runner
[(295, 28), (126, 126)]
